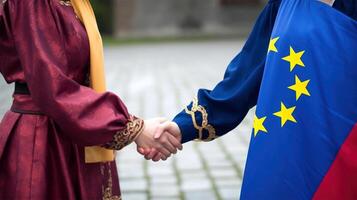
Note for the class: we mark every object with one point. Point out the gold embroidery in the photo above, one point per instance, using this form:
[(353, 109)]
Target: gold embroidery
[(107, 192), (124, 137), (65, 3), (204, 126)]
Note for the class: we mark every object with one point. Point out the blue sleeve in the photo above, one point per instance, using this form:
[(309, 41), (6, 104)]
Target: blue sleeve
[(348, 7), (214, 113)]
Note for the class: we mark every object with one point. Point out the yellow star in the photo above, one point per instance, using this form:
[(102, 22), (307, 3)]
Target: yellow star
[(258, 125), (300, 88), (294, 58), (272, 46), (285, 114)]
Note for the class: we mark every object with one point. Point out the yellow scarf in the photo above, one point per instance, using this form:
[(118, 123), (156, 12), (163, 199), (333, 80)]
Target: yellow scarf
[(85, 13)]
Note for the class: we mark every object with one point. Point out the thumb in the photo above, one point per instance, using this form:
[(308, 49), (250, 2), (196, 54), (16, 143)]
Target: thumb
[(170, 127), (173, 129), (161, 129)]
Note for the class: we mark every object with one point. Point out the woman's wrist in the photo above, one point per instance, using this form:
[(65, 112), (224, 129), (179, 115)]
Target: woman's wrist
[(139, 133), (187, 130), (132, 131)]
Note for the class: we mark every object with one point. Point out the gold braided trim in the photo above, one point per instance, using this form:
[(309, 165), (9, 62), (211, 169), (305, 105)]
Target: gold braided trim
[(65, 3), (124, 137), (107, 191), (204, 126)]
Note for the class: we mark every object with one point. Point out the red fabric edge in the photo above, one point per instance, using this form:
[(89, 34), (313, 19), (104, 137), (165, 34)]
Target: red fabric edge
[(340, 182)]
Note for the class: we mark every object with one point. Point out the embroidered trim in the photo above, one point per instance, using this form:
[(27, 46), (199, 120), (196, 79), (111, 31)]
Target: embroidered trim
[(204, 126), (64, 2), (107, 191), (124, 137)]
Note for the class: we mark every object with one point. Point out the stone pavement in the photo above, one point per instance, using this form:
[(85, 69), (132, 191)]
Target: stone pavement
[(159, 80)]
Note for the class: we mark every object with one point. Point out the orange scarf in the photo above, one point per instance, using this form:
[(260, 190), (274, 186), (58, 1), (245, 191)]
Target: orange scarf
[(85, 13)]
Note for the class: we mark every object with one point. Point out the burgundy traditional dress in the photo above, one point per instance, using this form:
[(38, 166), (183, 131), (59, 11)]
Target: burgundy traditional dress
[(42, 137)]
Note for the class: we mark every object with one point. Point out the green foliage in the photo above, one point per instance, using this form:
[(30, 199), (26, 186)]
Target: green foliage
[(104, 12)]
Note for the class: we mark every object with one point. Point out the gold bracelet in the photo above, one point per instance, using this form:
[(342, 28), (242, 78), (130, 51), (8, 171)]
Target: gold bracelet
[(122, 138), (204, 126)]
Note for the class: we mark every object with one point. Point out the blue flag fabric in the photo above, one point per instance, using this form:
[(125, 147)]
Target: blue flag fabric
[(299, 66), (307, 103)]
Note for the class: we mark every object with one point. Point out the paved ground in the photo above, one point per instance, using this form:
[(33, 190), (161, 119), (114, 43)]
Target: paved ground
[(159, 80)]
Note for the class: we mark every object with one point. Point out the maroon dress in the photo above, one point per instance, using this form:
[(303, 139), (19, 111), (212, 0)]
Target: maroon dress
[(42, 137)]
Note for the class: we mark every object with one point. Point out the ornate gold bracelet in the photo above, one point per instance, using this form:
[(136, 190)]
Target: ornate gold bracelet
[(204, 126), (122, 138)]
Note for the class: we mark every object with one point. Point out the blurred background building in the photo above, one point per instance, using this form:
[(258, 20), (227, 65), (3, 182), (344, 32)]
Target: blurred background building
[(176, 18)]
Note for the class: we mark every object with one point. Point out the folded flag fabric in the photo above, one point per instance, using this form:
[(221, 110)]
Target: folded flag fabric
[(304, 143)]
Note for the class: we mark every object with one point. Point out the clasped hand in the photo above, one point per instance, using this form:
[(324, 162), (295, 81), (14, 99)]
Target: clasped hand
[(159, 139)]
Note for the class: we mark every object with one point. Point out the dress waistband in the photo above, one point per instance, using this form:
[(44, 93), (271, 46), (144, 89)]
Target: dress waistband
[(22, 101), (21, 88)]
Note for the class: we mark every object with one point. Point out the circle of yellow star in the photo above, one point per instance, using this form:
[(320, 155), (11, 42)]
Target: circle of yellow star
[(300, 88), (286, 114), (272, 46), (294, 59), (258, 125)]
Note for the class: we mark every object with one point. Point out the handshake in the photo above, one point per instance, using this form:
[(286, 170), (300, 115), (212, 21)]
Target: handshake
[(159, 139)]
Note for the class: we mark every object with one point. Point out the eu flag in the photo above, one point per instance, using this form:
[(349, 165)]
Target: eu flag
[(304, 143)]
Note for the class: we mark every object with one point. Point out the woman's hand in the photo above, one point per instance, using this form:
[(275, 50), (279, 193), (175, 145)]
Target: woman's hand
[(164, 145), (167, 134)]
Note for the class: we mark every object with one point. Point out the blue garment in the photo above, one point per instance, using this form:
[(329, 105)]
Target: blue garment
[(348, 7), (306, 88), (228, 103)]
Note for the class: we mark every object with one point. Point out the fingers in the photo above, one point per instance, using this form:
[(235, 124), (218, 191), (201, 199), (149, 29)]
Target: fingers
[(165, 142), (174, 130), (161, 145), (165, 148), (151, 154), (164, 151), (154, 151), (141, 150), (170, 143), (174, 142), (155, 155), (158, 157)]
